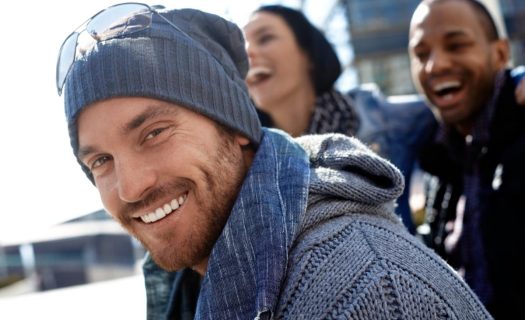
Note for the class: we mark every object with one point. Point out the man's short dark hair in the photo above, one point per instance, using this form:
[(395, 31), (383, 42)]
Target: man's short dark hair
[(484, 16)]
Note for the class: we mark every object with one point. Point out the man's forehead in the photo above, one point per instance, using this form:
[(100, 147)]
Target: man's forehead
[(419, 15), (443, 18)]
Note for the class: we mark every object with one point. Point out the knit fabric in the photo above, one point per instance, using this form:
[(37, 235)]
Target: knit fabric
[(334, 112), (202, 69), (354, 259)]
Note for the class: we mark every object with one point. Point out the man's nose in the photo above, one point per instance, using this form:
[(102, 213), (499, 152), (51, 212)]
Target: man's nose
[(135, 179), (438, 62)]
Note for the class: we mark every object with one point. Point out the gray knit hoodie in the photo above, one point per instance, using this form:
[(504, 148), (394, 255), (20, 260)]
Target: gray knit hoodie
[(353, 259)]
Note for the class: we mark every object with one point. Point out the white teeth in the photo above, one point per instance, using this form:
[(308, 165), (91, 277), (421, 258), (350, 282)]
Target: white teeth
[(159, 213), (448, 97), (256, 73), (446, 85), (163, 211), (174, 204)]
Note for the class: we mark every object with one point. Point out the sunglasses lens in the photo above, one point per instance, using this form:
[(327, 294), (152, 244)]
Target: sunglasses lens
[(66, 59), (119, 20), (115, 21)]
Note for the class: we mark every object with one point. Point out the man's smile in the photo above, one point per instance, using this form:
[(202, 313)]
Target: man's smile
[(164, 210)]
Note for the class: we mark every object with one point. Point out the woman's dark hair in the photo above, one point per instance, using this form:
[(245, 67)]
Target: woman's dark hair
[(326, 67)]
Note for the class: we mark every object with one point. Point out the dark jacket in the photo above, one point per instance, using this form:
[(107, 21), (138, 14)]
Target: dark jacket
[(502, 200)]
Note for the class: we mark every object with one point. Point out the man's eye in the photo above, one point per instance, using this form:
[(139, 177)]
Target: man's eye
[(421, 55), (457, 46), (99, 162), (154, 133)]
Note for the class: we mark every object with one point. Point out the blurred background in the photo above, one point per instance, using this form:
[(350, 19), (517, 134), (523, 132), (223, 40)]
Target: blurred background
[(60, 253)]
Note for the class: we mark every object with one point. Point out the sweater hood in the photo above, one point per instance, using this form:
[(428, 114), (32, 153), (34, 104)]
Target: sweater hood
[(345, 170)]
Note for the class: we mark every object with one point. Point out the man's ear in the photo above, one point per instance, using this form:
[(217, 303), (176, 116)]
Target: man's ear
[(241, 140), (247, 149), (501, 53)]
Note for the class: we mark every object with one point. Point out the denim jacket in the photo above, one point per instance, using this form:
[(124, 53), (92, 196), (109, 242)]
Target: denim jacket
[(397, 129)]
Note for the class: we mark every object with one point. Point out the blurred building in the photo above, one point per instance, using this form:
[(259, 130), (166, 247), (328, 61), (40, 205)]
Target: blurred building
[(371, 36), (88, 249), (379, 32), (513, 12)]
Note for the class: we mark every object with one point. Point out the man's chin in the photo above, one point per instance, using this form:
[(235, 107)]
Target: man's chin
[(449, 114), (449, 118), (175, 261), (168, 264)]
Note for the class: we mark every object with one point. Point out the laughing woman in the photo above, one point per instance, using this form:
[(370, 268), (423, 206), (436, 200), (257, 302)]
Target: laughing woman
[(292, 73)]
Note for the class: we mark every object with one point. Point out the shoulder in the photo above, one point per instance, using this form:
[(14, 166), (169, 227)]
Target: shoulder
[(360, 267)]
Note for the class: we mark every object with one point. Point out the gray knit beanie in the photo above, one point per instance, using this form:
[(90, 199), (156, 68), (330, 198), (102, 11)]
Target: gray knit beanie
[(203, 72)]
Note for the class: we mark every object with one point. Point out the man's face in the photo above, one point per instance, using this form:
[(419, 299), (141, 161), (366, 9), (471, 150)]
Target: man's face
[(453, 63), (168, 175)]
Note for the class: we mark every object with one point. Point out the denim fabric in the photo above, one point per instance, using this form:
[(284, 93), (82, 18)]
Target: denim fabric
[(158, 287), (518, 74), (396, 129)]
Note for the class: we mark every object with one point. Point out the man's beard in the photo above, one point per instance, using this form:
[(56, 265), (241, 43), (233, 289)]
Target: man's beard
[(223, 174)]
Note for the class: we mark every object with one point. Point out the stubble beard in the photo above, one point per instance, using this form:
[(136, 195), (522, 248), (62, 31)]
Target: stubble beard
[(224, 177)]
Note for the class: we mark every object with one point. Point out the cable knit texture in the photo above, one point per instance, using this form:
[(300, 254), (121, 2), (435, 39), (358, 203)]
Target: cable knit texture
[(353, 258)]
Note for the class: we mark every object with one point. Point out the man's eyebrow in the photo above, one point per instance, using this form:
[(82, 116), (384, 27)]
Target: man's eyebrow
[(456, 33), (150, 113), (418, 41), (84, 151)]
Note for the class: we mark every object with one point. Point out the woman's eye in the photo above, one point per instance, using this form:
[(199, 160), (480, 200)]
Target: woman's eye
[(266, 38)]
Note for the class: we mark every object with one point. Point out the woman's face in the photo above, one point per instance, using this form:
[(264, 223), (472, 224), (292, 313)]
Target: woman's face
[(279, 68)]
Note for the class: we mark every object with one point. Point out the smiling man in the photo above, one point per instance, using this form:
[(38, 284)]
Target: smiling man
[(475, 206), (140, 183), (161, 122), (455, 63)]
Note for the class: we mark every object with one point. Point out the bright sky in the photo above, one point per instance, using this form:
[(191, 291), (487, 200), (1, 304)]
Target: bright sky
[(40, 182)]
